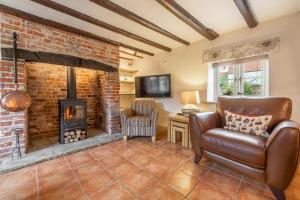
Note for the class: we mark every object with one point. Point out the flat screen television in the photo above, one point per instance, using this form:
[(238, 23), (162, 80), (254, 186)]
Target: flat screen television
[(153, 86)]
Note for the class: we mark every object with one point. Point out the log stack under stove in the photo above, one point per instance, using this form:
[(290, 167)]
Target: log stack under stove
[(74, 136)]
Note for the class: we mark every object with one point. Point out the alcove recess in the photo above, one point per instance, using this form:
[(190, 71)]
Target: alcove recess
[(127, 86)]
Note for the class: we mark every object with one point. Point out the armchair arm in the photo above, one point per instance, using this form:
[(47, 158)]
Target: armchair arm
[(153, 117), (282, 154), (199, 123), (124, 115)]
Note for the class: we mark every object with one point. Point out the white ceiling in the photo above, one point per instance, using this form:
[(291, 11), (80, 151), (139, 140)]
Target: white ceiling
[(219, 15)]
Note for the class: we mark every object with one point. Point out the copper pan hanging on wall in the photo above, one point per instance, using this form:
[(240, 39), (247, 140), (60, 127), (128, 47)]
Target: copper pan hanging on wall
[(15, 101)]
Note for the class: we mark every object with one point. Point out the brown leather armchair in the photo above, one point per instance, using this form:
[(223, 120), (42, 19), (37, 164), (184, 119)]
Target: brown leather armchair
[(271, 160)]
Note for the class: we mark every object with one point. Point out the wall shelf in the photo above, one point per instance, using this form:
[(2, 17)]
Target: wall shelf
[(121, 69), (127, 87), (126, 81), (127, 93)]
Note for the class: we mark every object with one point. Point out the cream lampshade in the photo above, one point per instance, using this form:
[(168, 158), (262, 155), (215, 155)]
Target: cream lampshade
[(190, 99)]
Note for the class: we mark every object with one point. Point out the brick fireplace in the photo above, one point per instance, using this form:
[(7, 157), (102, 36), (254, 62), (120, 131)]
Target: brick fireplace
[(47, 83)]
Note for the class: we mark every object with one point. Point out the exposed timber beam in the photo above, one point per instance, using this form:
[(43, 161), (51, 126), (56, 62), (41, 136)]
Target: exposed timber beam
[(247, 12), (124, 58), (127, 53), (187, 18), (63, 27), (68, 11), (135, 49), (136, 18)]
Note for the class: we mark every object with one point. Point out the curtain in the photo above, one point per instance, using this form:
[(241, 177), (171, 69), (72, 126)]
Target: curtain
[(239, 51), (240, 61)]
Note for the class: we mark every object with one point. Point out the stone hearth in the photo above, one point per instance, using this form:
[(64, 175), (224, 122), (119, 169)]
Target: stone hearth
[(49, 148)]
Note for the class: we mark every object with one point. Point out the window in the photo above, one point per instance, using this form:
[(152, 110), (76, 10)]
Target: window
[(248, 77)]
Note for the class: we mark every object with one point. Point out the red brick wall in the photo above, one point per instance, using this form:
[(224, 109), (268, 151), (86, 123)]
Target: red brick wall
[(38, 37), (46, 85), (8, 120), (109, 86), (87, 89)]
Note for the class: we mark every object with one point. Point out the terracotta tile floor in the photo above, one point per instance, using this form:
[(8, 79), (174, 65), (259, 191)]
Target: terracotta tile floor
[(137, 170)]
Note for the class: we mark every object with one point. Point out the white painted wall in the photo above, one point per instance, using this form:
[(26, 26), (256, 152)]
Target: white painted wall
[(189, 73)]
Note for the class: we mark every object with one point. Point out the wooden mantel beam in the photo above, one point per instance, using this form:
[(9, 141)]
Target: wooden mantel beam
[(246, 11), (187, 18), (63, 27), (56, 59), (89, 19), (136, 18)]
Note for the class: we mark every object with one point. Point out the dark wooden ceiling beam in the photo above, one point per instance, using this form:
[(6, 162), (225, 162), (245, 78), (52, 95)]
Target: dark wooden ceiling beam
[(135, 49), (136, 18), (63, 27), (124, 58), (247, 12), (68, 11), (127, 53), (187, 18)]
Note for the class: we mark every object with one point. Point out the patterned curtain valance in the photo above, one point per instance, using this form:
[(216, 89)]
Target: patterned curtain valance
[(241, 50)]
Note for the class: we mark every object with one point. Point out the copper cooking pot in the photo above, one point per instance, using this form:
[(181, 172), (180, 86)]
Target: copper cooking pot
[(15, 101)]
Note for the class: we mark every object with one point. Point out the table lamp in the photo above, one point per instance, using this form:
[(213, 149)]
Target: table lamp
[(190, 99)]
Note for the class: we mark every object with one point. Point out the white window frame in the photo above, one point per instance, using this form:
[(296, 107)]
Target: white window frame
[(212, 84)]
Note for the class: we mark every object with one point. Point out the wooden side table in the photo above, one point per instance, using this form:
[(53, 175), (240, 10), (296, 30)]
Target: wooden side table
[(179, 124)]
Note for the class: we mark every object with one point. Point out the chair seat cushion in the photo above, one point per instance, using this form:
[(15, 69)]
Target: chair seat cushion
[(240, 147), (139, 121)]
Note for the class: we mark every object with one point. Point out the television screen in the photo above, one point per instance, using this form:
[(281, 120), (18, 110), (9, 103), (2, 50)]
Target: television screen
[(153, 86)]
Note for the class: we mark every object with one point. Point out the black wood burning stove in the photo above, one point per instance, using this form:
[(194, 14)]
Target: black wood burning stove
[(73, 113)]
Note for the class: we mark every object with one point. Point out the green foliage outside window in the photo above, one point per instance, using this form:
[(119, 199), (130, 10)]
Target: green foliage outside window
[(252, 89), (227, 88)]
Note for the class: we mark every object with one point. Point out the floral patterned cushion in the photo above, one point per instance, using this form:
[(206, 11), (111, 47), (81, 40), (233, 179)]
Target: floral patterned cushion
[(256, 125)]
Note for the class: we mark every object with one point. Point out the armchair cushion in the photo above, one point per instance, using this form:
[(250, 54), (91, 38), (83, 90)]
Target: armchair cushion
[(240, 147), (256, 125), (139, 121)]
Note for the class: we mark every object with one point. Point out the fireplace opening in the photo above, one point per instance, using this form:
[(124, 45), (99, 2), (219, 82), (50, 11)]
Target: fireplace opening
[(65, 105)]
